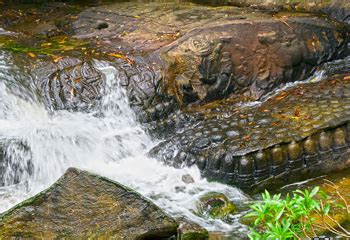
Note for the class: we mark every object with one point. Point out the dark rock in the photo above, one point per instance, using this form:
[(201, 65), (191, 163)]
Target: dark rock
[(83, 205), (295, 134), (15, 162), (180, 189), (69, 84)]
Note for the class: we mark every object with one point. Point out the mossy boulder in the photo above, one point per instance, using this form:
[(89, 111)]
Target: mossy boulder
[(189, 230), (81, 205), (215, 205)]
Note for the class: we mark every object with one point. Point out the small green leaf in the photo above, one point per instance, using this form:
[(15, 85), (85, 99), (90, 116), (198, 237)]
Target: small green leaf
[(314, 191), (326, 209)]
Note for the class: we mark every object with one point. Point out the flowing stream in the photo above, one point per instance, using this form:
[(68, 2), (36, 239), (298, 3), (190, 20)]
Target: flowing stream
[(39, 147)]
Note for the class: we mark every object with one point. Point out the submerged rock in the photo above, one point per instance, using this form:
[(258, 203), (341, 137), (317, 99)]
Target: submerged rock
[(82, 205), (187, 178)]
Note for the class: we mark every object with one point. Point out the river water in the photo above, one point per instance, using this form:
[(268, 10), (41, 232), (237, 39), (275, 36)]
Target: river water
[(39, 146)]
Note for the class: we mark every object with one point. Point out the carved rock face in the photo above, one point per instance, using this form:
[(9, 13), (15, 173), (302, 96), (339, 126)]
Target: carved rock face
[(69, 84), (250, 57), (270, 140)]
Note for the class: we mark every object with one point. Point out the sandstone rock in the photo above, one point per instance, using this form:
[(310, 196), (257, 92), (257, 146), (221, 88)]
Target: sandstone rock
[(226, 52), (169, 55), (189, 230), (69, 84), (297, 133), (82, 205), (249, 57), (339, 9)]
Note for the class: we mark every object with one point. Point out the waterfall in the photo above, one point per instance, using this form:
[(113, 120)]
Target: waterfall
[(39, 146)]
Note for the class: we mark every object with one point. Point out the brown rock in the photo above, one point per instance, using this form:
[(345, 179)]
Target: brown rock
[(82, 205)]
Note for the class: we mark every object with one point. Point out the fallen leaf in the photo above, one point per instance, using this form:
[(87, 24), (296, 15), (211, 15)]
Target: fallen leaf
[(46, 44), (247, 138), (297, 112), (275, 123), (56, 59), (283, 95), (32, 55), (116, 55), (63, 40), (347, 78)]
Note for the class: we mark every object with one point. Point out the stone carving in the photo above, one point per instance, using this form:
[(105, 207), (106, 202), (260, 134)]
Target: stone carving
[(260, 145), (213, 68), (69, 84)]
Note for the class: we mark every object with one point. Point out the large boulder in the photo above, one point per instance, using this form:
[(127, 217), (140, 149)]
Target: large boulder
[(82, 205), (195, 53), (249, 57), (169, 55), (297, 133)]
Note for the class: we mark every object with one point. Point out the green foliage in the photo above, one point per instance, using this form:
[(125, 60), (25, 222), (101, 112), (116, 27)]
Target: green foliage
[(288, 218)]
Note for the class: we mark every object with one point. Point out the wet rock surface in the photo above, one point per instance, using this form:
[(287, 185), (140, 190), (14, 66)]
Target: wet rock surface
[(82, 205), (223, 63), (69, 84), (188, 69), (298, 132), (207, 53), (215, 205), (169, 55)]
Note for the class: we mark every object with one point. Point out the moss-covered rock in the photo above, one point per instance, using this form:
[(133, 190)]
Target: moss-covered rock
[(82, 205), (189, 230), (215, 205)]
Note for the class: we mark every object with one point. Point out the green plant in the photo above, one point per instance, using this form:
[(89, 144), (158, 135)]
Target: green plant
[(299, 215)]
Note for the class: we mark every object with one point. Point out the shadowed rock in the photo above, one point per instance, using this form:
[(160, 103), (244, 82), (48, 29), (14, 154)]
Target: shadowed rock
[(82, 205), (300, 132)]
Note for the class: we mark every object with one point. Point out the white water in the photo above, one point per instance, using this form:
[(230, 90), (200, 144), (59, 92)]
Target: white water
[(316, 77), (113, 146)]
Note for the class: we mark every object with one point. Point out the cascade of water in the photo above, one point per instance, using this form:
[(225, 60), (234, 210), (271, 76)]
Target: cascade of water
[(39, 147)]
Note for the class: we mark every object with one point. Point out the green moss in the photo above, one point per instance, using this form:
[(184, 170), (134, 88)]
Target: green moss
[(50, 47), (195, 236), (215, 205)]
